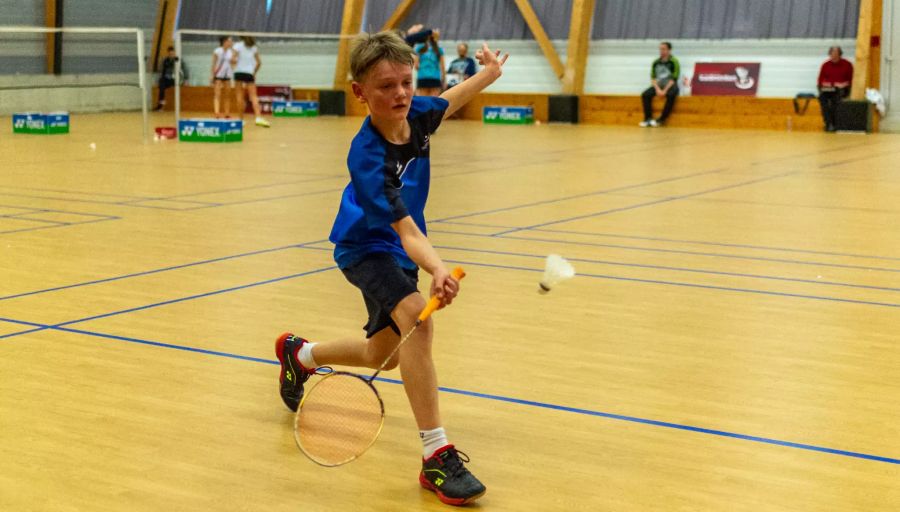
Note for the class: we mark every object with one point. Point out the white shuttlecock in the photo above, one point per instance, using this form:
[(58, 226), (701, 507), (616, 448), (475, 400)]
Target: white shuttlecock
[(93, 146), (556, 270)]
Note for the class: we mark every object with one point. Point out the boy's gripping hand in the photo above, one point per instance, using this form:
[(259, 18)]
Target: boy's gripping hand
[(444, 286)]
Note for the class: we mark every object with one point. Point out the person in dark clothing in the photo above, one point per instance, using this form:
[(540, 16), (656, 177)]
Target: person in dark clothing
[(835, 79), (664, 73), (462, 67), (418, 34), (167, 77)]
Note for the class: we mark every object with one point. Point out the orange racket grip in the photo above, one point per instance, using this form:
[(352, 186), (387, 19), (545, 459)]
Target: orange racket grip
[(433, 303)]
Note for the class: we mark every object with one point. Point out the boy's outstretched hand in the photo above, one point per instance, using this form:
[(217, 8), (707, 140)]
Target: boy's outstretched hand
[(491, 60)]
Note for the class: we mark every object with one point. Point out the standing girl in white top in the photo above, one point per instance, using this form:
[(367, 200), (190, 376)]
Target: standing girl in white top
[(246, 63), (222, 74)]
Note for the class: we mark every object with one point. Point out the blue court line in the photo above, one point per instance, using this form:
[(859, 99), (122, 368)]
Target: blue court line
[(179, 197), (484, 212), (588, 194), (852, 160), (777, 205), (689, 285), (677, 269), (76, 192), (672, 251), (157, 270), (198, 296), (171, 301), (52, 226), (814, 153), (651, 203), (19, 216), (692, 242), (518, 401)]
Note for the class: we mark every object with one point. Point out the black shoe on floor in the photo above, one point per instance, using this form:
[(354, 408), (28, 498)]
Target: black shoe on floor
[(445, 474), (293, 374)]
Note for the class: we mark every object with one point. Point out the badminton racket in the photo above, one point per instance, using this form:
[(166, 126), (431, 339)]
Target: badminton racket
[(341, 416)]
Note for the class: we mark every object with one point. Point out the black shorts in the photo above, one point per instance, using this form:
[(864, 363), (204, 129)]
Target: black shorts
[(222, 79), (383, 283), (430, 83), (244, 77)]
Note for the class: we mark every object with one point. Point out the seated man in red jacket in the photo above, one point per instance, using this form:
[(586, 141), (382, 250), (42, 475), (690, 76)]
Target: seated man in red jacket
[(835, 79)]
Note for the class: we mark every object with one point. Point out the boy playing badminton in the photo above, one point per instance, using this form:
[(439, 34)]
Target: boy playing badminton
[(380, 244)]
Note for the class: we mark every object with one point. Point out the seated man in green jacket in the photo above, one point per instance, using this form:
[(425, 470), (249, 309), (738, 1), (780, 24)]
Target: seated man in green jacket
[(664, 75)]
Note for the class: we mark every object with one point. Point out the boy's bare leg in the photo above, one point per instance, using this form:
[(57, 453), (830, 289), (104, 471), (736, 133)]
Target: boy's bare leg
[(416, 366), (369, 353)]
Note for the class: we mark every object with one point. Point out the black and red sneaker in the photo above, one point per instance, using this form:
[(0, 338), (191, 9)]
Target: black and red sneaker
[(445, 474), (293, 374)]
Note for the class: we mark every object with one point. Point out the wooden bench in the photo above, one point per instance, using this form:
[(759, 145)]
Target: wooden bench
[(705, 112)]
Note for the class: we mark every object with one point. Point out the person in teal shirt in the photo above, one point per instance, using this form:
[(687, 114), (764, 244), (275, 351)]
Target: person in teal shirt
[(664, 73), (432, 79)]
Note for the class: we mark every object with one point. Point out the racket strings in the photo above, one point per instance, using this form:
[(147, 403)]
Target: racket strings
[(341, 417)]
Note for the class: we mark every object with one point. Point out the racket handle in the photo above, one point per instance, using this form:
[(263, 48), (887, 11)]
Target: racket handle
[(433, 303)]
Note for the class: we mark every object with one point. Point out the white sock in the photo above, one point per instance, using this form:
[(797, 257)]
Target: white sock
[(432, 441), (304, 355)]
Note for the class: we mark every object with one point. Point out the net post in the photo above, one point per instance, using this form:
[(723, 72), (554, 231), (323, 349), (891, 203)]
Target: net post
[(142, 79), (178, 76)]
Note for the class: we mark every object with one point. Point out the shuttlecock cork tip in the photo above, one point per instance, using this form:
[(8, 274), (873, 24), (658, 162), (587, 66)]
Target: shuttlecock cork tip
[(556, 270)]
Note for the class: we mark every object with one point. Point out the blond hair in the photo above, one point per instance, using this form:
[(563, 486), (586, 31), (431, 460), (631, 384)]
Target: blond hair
[(370, 49)]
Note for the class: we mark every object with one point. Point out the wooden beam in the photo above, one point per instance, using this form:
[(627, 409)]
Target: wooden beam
[(875, 44), (863, 49), (534, 24), (53, 15), (163, 32), (579, 44), (399, 14), (350, 24)]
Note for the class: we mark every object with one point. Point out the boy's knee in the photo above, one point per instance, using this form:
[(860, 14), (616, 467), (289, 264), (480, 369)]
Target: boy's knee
[(407, 310)]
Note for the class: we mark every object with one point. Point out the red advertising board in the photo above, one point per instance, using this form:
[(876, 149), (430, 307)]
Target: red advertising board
[(725, 79), (267, 94)]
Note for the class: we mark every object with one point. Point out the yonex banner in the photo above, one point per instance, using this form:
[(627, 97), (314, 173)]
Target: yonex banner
[(210, 130), (508, 115), (725, 79), (39, 123), (295, 108)]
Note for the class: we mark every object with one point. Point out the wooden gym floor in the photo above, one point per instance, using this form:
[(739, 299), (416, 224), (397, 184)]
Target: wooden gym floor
[(731, 342)]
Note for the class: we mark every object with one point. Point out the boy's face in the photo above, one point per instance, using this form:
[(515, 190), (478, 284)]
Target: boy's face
[(387, 89), (462, 49)]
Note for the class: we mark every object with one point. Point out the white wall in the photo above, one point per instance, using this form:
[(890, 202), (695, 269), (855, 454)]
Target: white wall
[(73, 93), (614, 67), (788, 66)]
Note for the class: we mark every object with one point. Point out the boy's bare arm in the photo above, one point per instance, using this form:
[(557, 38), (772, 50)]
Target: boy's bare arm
[(420, 250), (460, 94)]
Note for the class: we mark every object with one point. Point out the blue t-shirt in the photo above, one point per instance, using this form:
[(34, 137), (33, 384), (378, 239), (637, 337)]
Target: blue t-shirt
[(387, 183), (429, 62)]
